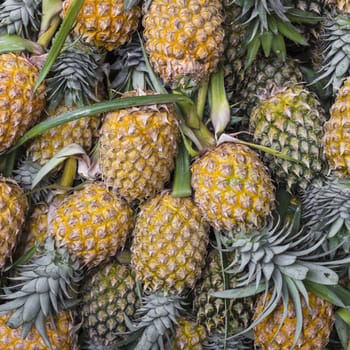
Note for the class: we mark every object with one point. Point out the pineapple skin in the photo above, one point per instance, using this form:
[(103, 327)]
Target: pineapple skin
[(108, 295), (13, 208), (184, 39), (80, 131), (169, 244), (105, 24), (60, 336), (19, 110), (137, 150), (291, 122), (189, 335), (232, 188), (337, 132), (317, 326), (91, 223)]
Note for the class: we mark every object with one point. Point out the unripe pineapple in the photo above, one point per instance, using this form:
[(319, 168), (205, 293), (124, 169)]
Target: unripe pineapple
[(318, 320), (60, 335), (108, 296), (189, 335), (80, 131), (105, 23), (91, 223), (337, 132), (169, 245), (291, 122), (13, 207), (211, 311), (232, 188), (19, 108), (184, 39), (137, 149)]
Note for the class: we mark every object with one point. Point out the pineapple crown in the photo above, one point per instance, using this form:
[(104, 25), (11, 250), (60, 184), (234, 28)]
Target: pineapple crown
[(44, 286), (75, 77), (283, 259), (336, 60), (21, 17), (326, 209)]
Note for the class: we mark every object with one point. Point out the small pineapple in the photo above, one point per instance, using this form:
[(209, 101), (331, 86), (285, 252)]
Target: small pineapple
[(137, 149), (184, 39), (105, 24), (291, 122), (108, 297), (19, 108), (232, 188), (318, 319)]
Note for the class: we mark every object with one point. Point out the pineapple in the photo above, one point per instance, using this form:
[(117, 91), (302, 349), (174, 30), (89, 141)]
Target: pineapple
[(137, 148), (291, 122), (232, 188), (13, 208), (61, 335), (168, 254), (19, 108), (318, 319), (336, 140), (105, 24), (184, 39), (108, 297), (189, 335)]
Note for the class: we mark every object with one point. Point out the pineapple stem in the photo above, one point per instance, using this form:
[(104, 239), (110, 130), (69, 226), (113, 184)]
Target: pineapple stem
[(189, 111), (46, 37), (205, 137), (182, 179), (201, 98), (69, 171)]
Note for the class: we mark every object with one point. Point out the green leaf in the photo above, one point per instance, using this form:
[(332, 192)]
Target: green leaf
[(10, 43), (239, 292), (279, 47), (345, 315), (97, 109), (266, 43), (291, 33), (60, 38), (342, 329), (252, 50), (23, 259), (300, 16), (324, 292), (283, 198)]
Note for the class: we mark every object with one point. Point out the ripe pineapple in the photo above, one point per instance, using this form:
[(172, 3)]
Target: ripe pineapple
[(291, 122), (168, 253), (137, 149), (19, 108), (184, 39), (105, 23), (13, 207), (108, 297), (336, 136), (318, 319), (189, 335), (61, 335), (232, 188)]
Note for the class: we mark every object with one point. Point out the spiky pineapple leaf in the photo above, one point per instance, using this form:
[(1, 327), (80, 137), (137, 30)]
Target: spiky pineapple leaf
[(342, 329), (60, 38), (243, 292), (10, 43), (344, 314), (324, 292), (182, 177)]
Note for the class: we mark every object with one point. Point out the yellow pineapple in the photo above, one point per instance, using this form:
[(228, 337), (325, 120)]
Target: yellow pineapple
[(19, 108), (105, 23), (138, 148), (189, 335), (61, 335), (232, 188), (13, 207), (184, 39), (318, 320)]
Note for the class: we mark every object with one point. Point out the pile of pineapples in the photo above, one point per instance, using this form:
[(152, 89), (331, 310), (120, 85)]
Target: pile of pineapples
[(174, 174)]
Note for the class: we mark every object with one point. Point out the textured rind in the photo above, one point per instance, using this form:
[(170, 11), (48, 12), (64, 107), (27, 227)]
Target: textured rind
[(342, 6), (105, 23), (80, 131), (61, 337), (184, 38), (108, 295), (232, 188), (337, 132), (317, 326), (13, 207), (19, 108), (291, 122), (137, 150), (169, 245), (91, 223), (189, 335)]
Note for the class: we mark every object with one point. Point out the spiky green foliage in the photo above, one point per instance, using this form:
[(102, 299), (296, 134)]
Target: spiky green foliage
[(75, 76), (21, 17), (218, 342), (42, 287), (326, 211)]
